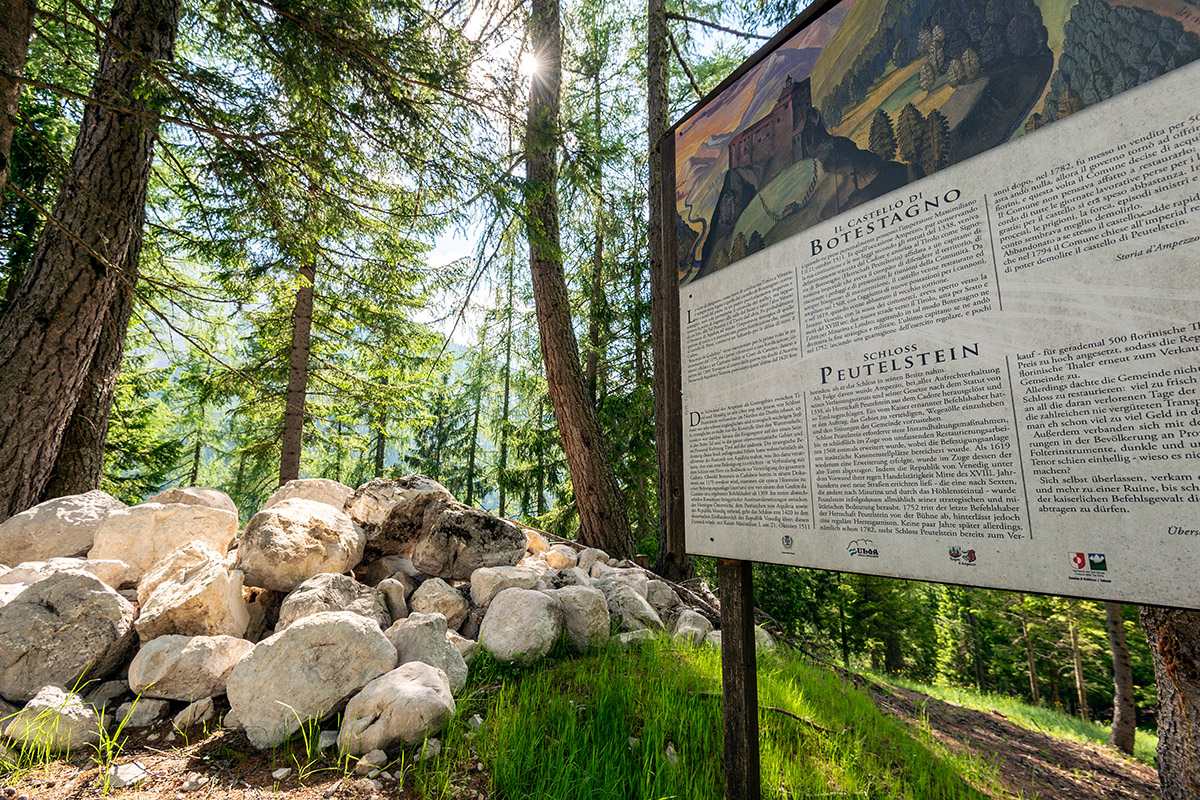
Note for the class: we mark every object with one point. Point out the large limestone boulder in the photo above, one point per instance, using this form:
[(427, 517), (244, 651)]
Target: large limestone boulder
[(591, 556), (305, 672), (422, 637), (191, 593), (144, 534), (435, 596), (488, 582), (293, 540), (332, 592), (60, 628), (691, 628), (457, 540), (196, 496), (392, 511), (185, 667), (405, 706), (561, 556), (394, 597), (318, 490), (628, 608), (54, 720), (116, 574), (62, 527), (585, 615), (521, 625), (661, 596)]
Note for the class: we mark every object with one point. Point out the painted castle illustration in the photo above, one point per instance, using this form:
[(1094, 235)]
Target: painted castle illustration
[(778, 133)]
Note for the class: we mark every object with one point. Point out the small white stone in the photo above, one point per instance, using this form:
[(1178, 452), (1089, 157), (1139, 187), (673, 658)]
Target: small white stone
[(672, 756), (281, 773), (194, 782), (431, 749), (326, 740), (474, 722), (122, 775)]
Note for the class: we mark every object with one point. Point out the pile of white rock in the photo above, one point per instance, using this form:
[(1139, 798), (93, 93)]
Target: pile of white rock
[(369, 602)]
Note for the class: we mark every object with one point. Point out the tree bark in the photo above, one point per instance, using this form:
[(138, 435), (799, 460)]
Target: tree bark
[(49, 333), (16, 26), (1124, 706), (603, 522), (1174, 637), (596, 293), (502, 466), (670, 561), (1033, 686), (297, 388), (1077, 663), (380, 436)]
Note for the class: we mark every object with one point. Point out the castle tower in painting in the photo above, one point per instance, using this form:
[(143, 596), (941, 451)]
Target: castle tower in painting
[(777, 133)]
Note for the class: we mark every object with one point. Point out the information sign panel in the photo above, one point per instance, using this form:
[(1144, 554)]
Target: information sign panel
[(939, 271)]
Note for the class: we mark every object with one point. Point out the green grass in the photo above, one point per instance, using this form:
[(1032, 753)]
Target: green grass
[(562, 730), (1038, 718)]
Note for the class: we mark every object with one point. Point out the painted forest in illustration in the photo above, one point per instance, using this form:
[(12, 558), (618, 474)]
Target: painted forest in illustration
[(874, 94)]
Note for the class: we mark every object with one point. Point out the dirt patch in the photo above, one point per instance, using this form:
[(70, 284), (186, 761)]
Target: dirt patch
[(1030, 763)]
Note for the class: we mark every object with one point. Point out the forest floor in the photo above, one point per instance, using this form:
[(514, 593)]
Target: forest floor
[(1031, 763), (560, 730)]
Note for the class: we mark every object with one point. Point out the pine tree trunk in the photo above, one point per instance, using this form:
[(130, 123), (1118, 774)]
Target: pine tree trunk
[(602, 518), (297, 388), (670, 563), (16, 26), (1033, 685), (380, 437), (471, 448), (1174, 637), (49, 334), (976, 654), (502, 467), (80, 462), (1077, 663), (596, 293), (1124, 705)]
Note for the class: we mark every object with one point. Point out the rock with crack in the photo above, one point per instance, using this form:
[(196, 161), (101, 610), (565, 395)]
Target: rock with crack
[(317, 490), (422, 637), (59, 630), (591, 556), (488, 582), (305, 672), (54, 720), (585, 615), (145, 534), (521, 625), (196, 496), (629, 609), (116, 574), (198, 713), (456, 540), (405, 706), (191, 593), (333, 592), (62, 527), (290, 542), (435, 596), (392, 510), (185, 667)]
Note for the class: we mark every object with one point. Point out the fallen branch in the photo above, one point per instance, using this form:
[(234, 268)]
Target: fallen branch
[(778, 710)]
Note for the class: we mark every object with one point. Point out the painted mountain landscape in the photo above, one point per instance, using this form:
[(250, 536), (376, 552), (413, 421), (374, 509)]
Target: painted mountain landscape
[(875, 94)]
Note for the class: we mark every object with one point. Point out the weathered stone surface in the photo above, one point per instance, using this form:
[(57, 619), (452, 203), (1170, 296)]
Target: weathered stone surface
[(196, 496), (457, 540), (64, 526), (635, 578), (104, 693), (295, 539), (394, 594), (19, 578), (691, 628), (628, 608), (661, 596), (197, 713), (535, 542), (634, 638), (521, 625), (142, 712), (435, 596), (392, 511), (263, 605), (185, 667), (571, 576), (122, 776), (589, 557), (306, 671), (318, 490), (55, 720), (190, 593), (763, 640), (467, 648), (333, 592), (59, 628), (470, 626), (145, 534), (404, 706), (585, 614), (561, 556), (422, 637), (390, 566), (714, 638), (488, 582)]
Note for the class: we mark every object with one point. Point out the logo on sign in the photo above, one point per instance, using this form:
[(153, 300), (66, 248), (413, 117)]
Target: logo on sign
[(1097, 562), (788, 542), (962, 556), (864, 548), (1090, 567), (1078, 561)]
